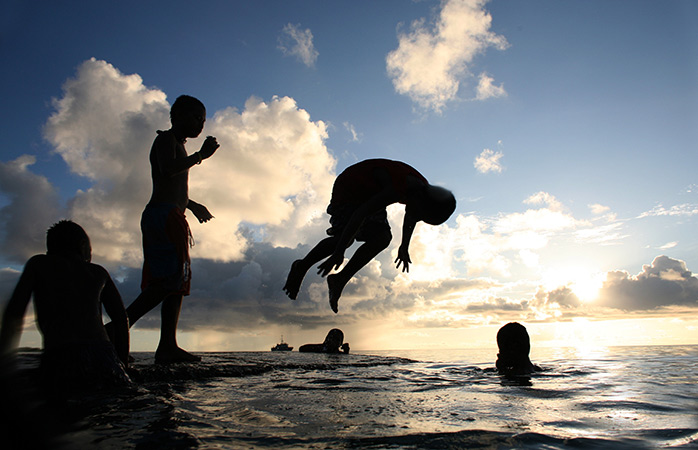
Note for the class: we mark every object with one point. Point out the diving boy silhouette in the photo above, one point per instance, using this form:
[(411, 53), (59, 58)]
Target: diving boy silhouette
[(166, 235), (357, 211)]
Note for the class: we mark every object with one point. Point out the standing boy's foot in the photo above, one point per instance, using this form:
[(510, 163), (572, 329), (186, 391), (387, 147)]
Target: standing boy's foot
[(175, 355), (335, 287), (294, 279)]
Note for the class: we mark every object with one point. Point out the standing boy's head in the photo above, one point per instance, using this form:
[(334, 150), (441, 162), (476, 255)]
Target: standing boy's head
[(188, 114), (68, 239), (513, 339)]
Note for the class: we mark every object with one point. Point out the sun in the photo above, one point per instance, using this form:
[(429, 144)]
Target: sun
[(583, 282)]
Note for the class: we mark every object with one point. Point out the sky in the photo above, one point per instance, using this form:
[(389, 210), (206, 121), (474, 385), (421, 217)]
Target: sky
[(566, 130)]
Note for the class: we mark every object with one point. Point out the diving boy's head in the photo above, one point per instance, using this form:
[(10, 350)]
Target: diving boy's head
[(434, 205), (188, 114), (66, 238)]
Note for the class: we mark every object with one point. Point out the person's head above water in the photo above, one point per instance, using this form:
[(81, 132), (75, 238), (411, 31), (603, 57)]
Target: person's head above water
[(434, 206), (514, 346), (68, 239), (334, 338)]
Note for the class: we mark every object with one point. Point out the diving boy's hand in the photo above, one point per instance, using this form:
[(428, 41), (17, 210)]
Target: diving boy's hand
[(403, 257), (200, 211), (209, 147), (333, 262)]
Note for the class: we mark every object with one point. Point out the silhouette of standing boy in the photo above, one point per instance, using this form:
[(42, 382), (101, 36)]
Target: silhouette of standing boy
[(166, 235), (69, 292), (357, 211)]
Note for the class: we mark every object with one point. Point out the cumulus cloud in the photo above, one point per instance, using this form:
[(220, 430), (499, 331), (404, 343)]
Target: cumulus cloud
[(665, 282), (488, 161), (433, 58), (32, 207), (297, 42)]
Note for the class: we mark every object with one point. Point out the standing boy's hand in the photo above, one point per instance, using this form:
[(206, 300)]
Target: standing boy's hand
[(209, 147), (200, 211)]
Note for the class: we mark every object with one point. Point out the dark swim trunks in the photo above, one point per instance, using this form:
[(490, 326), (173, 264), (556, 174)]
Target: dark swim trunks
[(166, 242), (375, 224)]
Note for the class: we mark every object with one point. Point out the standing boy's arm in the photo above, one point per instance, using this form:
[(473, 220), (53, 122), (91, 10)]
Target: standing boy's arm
[(200, 211), (111, 299), (13, 318), (168, 161), (403, 253)]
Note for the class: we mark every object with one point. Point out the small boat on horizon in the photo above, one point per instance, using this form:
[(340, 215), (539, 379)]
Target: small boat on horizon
[(281, 347)]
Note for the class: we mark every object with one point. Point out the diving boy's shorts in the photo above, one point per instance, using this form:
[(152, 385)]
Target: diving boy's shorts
[(376, 223)]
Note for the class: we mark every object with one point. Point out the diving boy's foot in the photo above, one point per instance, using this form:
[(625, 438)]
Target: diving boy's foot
[(294, 280), (335, 287), (175, 355)]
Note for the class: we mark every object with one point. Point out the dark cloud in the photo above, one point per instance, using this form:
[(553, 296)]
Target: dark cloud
[(665, 282), (32, 208)]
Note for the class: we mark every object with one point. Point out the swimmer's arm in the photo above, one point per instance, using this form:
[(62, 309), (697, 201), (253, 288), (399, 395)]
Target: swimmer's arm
[(111, 300), (403, 254), (13, 317)]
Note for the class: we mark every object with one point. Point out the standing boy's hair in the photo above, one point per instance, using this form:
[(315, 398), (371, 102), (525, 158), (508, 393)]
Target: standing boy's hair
[(184, 103), (65, 237)]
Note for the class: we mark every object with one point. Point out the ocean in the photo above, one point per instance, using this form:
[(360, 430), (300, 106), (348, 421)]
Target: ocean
[(593, 398)]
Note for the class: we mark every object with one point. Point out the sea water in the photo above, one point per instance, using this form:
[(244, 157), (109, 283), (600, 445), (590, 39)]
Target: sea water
[(601, 398)]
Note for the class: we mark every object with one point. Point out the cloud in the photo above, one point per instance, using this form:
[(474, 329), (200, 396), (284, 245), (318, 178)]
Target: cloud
[(355, 136), (433, 58), (486, 88), (33, 206), (488, 161), (103, 128), (665, 282), (684, 209), (299, 43)]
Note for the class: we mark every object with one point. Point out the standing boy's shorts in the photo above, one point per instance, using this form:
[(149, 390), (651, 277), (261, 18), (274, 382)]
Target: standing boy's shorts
[(340, 215), (166, 241)]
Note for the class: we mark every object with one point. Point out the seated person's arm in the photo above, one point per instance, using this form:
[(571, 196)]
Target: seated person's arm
[(13, 317), (111, 299)]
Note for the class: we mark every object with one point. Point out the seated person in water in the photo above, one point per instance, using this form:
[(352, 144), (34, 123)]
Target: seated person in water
[(514, 346), (357, 211), (333, 344), (69, 293)]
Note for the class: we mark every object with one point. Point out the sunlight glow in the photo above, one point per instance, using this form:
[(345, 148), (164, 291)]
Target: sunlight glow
[(583, 282)]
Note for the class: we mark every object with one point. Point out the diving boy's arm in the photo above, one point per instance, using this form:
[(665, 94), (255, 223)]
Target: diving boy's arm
[(111, 300), (403, 254), (171, 163), (13, 317), (200, 211)]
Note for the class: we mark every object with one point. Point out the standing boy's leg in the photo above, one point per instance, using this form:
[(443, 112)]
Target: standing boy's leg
[(168, 350)]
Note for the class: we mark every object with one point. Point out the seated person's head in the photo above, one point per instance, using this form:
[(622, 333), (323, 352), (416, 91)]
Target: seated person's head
[(434, 206), (514, 346), (68, 239), (334, 339)]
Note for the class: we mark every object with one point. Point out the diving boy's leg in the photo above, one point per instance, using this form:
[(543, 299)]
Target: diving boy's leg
[(300, 267), (168, 351), (363, 255)]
